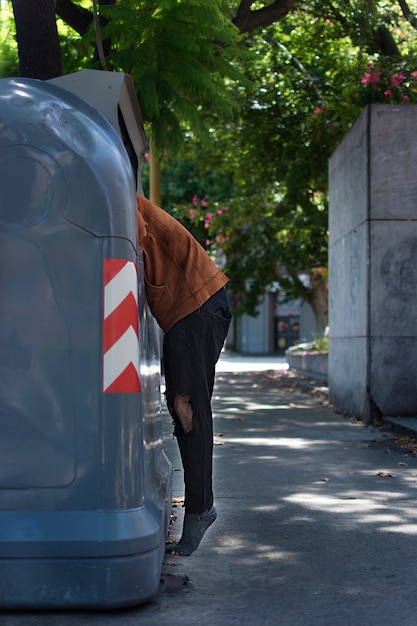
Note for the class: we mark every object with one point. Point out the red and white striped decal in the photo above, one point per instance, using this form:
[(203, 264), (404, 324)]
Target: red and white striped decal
[(120, 327)]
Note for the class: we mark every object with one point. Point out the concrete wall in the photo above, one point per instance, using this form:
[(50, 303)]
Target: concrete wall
[(254, 334), (373, 265), (308, 324)]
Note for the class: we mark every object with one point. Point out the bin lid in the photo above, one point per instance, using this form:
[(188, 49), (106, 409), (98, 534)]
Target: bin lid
[(109, 93)]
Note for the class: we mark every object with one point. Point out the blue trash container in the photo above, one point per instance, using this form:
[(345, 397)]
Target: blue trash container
[(85, 486)]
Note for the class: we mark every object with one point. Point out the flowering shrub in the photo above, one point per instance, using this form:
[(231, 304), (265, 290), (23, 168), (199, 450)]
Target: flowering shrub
[(209, 225), (390, 86)]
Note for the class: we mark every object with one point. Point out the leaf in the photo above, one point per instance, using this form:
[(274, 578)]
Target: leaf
[(385, 475)]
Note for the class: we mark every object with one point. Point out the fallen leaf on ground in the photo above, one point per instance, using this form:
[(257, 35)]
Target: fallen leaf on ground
[(385, 475), (408, 443)]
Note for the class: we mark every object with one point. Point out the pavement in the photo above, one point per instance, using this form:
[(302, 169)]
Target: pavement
[(317, 520)]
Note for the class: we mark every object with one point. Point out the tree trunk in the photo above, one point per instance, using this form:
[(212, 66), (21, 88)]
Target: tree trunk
[(318, 300), (155, 179), (37, 38)]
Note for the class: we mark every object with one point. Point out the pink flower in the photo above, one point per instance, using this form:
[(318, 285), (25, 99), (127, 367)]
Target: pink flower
[(207, 219), (371, 78), (207, 242), (194, 201), (219, 211), (191, 214), (404, 99), (147, 157), (317, 111), (388, 93), (203, 202), (397, 79), (414, 75)]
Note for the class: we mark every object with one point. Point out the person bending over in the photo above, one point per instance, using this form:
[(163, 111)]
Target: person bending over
[(186, 294)]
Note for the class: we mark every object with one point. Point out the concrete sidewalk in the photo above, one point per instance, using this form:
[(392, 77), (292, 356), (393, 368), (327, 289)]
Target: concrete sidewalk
[(317, 521)]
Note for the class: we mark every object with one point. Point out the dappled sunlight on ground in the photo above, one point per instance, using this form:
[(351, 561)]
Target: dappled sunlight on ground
[(278, 442), (314, 507), (368, 507)]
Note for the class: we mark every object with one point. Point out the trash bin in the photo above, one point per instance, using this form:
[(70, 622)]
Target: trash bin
[(85, 486)]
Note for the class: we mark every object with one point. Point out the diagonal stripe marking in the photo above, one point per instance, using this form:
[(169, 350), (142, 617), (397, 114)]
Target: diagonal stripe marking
[(123, 352), (119, 287), (119, 321)]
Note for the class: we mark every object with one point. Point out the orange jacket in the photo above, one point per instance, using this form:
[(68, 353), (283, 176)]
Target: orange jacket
[(179, 274)]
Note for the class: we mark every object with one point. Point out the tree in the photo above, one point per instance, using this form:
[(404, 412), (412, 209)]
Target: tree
[(258, 94), (37, 36), (276, 150), (305, 104)]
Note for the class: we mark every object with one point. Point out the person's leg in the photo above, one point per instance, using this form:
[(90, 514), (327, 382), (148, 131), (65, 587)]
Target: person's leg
[(191, 350), (188, 395)]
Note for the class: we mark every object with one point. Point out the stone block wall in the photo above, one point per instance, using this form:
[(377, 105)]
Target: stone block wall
[(373, 265)]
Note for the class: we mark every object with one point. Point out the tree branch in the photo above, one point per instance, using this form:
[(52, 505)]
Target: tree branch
[(408, 14), (75, 16), (81, 21), (246, 19)]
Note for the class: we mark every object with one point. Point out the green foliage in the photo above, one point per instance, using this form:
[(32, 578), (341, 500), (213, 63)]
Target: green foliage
[(183, 57), (308, 76), (75, 52), (309, 71), (320, 344), (9, 63), (245, 125)]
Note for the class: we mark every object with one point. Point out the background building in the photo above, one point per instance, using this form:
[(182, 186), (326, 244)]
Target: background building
[(278, 326)]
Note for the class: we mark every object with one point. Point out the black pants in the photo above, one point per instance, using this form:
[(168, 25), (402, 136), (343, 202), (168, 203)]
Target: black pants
[(191, 350)]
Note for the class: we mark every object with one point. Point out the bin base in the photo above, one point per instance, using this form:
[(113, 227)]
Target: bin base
[(75, 584)]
